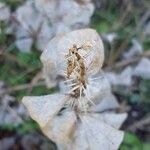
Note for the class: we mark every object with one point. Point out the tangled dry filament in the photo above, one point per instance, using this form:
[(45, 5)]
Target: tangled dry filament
[(76, 70)]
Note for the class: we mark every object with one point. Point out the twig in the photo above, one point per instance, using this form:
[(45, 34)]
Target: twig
[(143, 20), (128, 61), (35, 80), (21, 87), (11, 57), (139, 124)]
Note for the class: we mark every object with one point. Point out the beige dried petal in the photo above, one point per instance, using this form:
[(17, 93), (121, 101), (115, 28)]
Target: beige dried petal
[(44, 108), (108, 102), (70, 130), (97, 88), (93, 134), (113, 119), (53, 58), (61, 128), (49, 63)]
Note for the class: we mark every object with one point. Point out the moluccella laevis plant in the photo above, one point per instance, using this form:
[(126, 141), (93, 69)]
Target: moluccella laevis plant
[(80, 116)]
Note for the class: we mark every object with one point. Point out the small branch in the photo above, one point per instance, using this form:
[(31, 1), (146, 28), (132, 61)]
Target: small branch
[(139, 124), (128, 61), (21, 87)]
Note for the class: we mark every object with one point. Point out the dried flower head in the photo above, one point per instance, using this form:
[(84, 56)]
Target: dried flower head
[(89, 47), (76, 70), (77, 79)]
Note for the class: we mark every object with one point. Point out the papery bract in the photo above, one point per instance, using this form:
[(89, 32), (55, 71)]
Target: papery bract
[(70, 130)]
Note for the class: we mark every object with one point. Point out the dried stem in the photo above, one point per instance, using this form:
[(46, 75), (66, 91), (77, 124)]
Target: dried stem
[(139, 124), (128, 61), (21, 87)]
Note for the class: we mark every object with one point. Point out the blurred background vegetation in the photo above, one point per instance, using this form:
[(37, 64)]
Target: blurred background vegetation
[(18, 70)]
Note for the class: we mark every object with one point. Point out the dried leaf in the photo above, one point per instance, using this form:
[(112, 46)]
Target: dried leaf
[(31, 25), (124, 78), (59, 11), (147, 29), (24, 45), (136, 49), (42, 19), (4, 12), (11, 114), (142, 69), (28, 17)]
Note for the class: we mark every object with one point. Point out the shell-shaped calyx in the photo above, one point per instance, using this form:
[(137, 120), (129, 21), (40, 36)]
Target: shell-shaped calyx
[(89, 46), (71, 130)]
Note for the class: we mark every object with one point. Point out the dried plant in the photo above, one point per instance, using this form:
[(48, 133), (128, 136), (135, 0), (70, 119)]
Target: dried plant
[(77, 117), (39, 20)]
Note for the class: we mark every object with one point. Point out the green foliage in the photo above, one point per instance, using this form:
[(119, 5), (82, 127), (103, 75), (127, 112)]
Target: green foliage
[(132, 142), (12, 3), (30, 60), (2, 33), (25, 127), (146, 43), (144, 91), (146, 146), (18, 68), (115, 16)]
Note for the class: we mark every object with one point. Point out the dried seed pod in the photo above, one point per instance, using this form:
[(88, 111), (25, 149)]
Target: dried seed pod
[(91, 51)]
